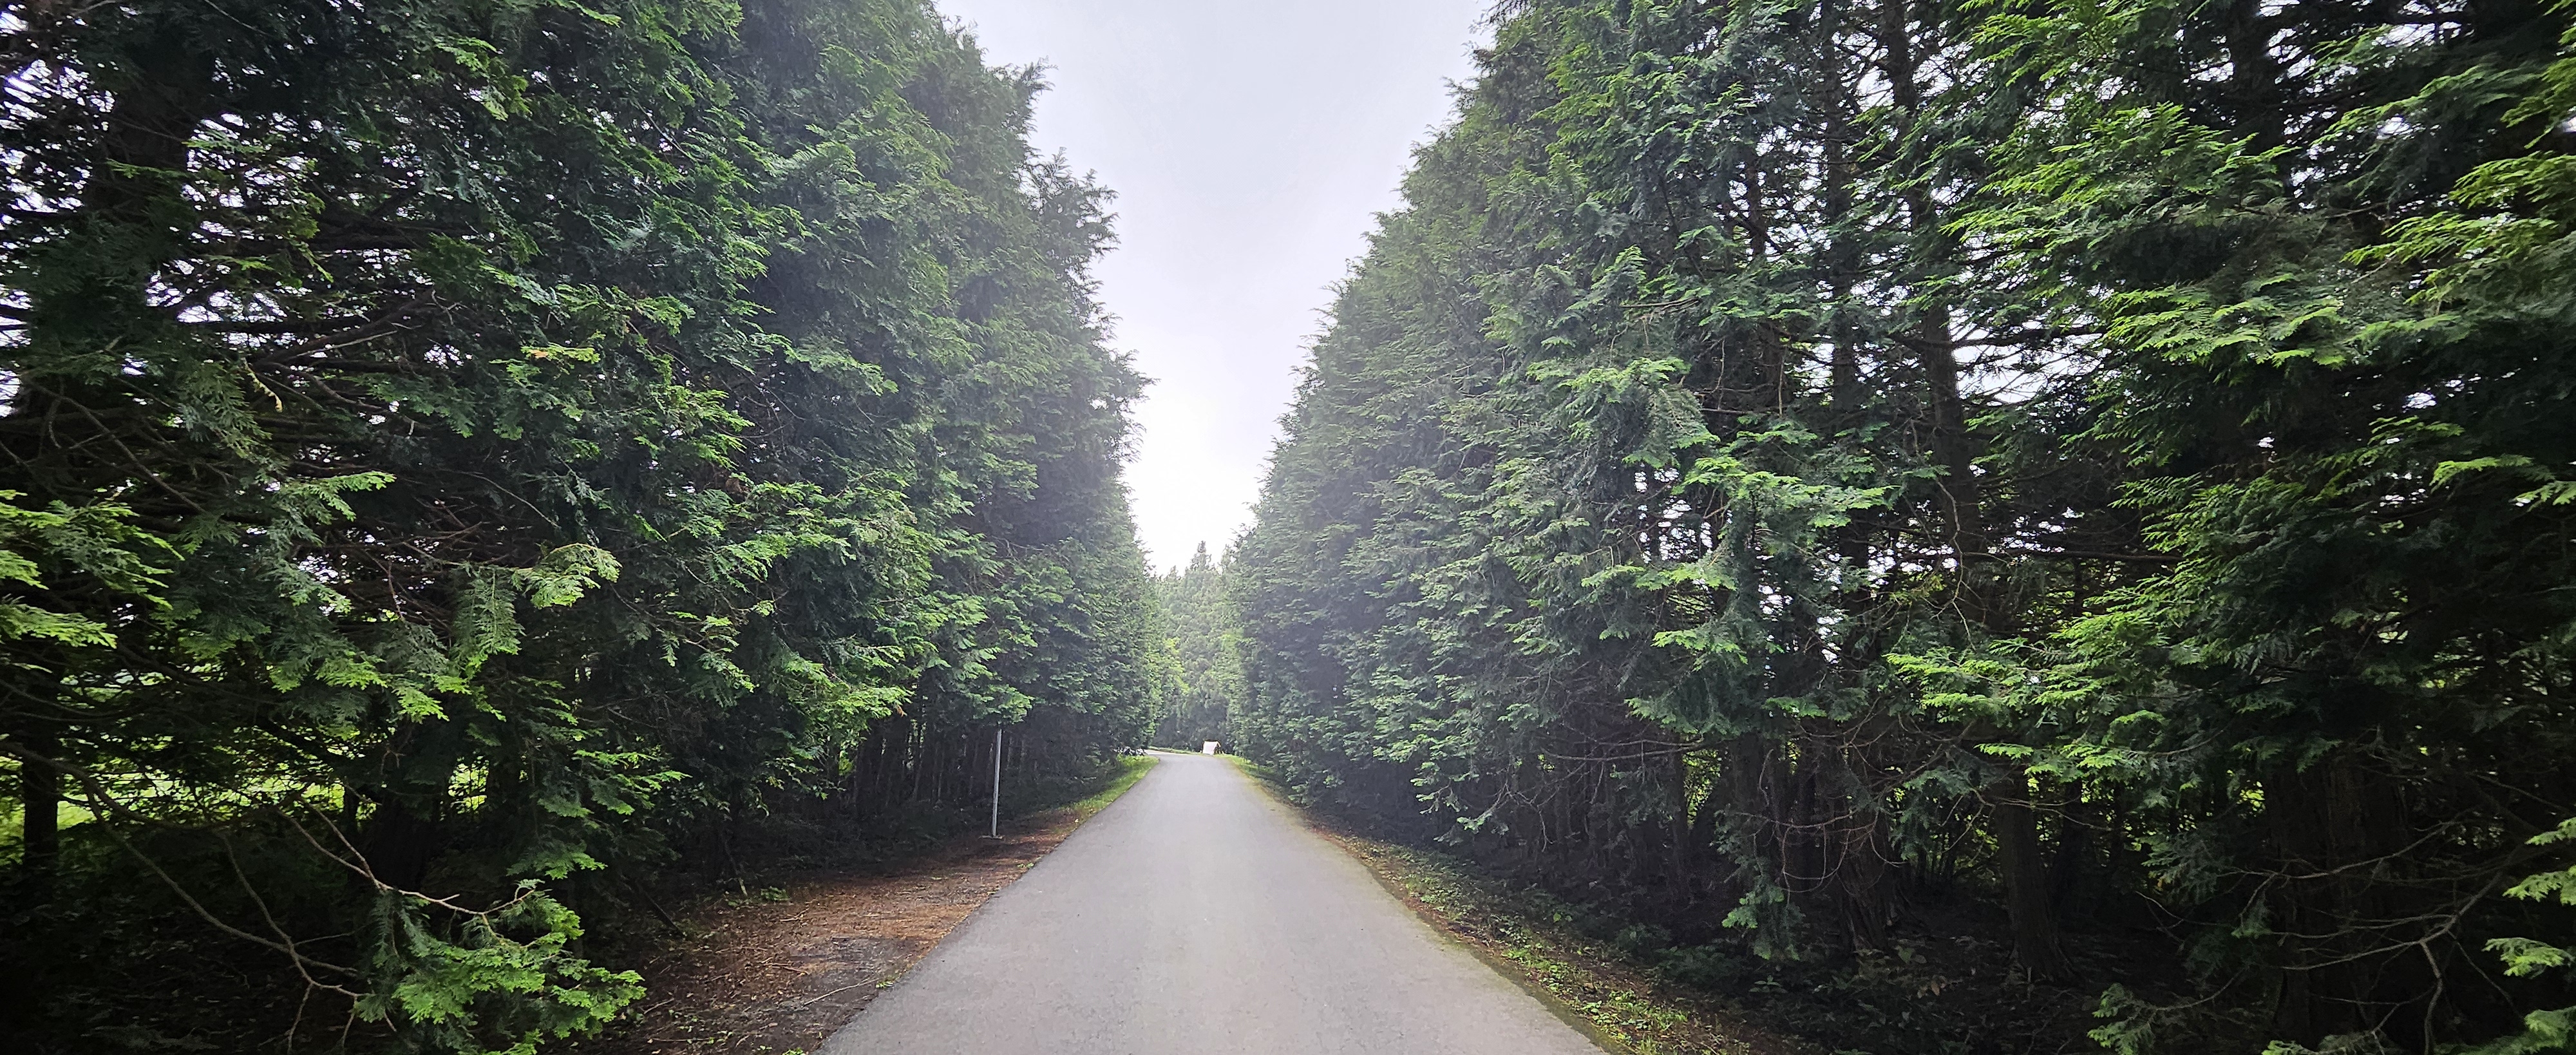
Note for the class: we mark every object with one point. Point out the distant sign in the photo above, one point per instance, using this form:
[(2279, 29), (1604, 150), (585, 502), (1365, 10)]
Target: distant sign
[(1208, 747)]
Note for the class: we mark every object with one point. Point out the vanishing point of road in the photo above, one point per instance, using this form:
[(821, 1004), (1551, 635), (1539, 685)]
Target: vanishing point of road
[(1195, 915)]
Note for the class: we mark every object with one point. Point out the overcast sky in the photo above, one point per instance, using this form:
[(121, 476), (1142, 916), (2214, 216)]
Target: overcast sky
[(1250, 145)]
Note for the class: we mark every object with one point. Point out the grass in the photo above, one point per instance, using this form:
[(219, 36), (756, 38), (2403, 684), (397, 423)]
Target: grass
[(1131, 768), (1532, 939), (1259, 772), (1941, 988)]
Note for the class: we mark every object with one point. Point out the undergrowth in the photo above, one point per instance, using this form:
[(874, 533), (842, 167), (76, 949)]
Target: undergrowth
[(1640, 987)]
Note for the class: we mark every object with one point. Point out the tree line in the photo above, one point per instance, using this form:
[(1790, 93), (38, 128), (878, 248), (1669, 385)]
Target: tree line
[(1204, 678), (475, 471), (1825, 481)]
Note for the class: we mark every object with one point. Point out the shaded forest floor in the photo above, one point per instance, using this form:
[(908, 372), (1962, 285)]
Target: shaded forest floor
[(1638, 992), (782, 967), (1614, 997)]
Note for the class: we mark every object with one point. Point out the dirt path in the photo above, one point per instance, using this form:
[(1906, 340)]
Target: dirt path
[(779, 974)]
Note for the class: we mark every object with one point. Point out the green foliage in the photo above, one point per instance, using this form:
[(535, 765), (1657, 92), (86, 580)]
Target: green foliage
[(467, 994), (2552, 1029), (1801, 474), (1206, 680), (471, 465)]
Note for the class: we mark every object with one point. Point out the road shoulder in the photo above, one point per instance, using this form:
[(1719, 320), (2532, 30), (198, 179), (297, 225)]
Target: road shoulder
[(780, 970), (1613, 999)]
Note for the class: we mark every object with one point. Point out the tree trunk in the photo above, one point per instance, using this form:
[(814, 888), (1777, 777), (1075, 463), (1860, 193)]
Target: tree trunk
[(1745, 763), (400, 844), (2026, 888), (2015, 821), (2345, 968), (41, 792), (1859, 868)]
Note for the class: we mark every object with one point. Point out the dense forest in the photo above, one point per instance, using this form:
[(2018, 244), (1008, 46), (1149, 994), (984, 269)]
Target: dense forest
[(477, 471), (2075, 489), (1204, 682)]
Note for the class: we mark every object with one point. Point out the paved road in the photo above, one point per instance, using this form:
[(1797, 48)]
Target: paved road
[(1195, 915)]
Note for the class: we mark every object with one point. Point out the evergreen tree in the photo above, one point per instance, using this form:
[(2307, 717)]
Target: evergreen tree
[(1801, 475), (1203, 638), (470, 464)]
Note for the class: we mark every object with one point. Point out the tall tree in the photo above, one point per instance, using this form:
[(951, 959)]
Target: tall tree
[(1203, 637), (1799, 473), (464, 460)]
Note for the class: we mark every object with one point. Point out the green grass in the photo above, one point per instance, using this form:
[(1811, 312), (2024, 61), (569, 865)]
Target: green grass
[(1531, 937), (1131, 768), (1259, 772), (1618, 997)]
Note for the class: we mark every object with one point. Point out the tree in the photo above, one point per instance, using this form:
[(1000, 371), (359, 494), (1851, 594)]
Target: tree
[(1203, 637), (466, 460), (1797, 473)]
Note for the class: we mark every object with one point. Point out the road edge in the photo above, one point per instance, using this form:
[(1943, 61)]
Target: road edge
[(1080, 811), (1447, 928), (692, 1006)]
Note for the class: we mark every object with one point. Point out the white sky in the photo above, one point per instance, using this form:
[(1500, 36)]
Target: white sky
[(1251, 146)]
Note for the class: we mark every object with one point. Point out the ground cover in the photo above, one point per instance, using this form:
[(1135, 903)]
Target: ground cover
[(1636, 990), (779, 968), (1611, 995)]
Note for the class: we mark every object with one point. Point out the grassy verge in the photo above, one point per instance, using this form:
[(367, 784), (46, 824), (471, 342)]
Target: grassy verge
[(1531, 938), (1942, 987), (1131, 768), (1623, 1001), (1259, 772)]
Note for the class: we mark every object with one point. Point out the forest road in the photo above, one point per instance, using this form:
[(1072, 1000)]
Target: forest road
[(1197, 915)]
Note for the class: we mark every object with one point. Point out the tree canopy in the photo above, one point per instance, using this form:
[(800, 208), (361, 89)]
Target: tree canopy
[(1819, 478), (471, 465), (1207, 677)]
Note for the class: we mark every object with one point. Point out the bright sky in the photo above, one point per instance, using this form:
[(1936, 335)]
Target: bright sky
[(1251, 145)]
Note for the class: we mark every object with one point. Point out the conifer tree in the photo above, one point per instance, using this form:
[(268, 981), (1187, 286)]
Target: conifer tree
[(1796, 473), (470, 465)]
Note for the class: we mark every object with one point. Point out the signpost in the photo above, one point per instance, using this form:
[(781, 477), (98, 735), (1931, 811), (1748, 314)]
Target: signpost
[(997, 784)]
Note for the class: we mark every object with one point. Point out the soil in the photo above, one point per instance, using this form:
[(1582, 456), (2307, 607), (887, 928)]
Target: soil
[(782, 969), (1609, 996), (1957, 993)]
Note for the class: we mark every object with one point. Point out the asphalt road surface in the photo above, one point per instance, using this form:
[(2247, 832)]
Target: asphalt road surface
[(1196, 915)]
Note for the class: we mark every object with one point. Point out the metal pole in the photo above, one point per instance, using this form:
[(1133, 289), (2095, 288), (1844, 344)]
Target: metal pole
[(997, 783)]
